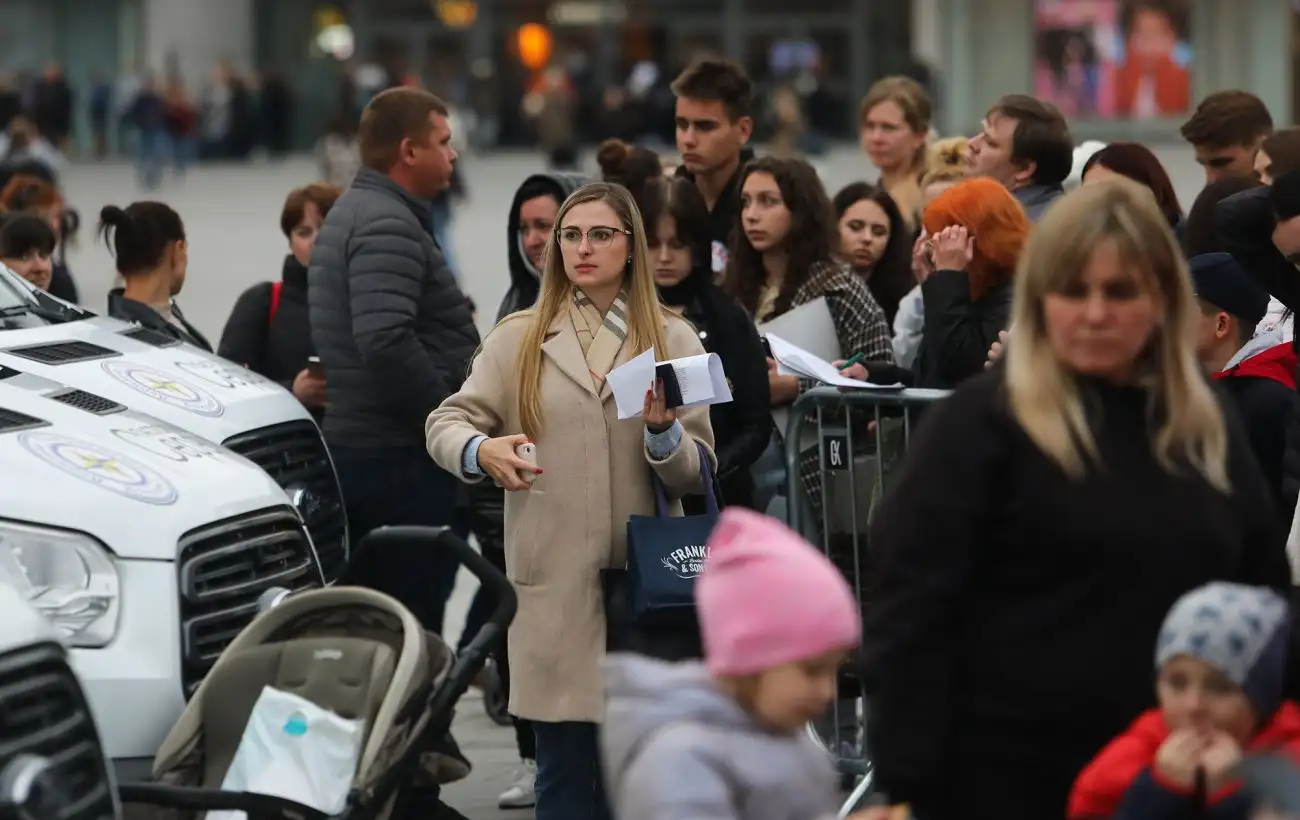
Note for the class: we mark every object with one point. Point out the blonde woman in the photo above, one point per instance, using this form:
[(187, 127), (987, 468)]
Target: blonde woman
[(893, 126), (540, 377), (1048, 515)]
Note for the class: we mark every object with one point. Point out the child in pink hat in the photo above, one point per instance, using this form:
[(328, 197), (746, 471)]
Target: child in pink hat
[(725, 738)]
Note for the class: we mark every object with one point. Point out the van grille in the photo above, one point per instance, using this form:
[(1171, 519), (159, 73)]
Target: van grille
[(224, 568), (44, 713), (294, 455), (63, 352)]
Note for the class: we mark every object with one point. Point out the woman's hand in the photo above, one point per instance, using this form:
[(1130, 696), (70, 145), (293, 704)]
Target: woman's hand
[(997, 348), (954, 248), (309, 389), (857, 370), (784, 389), (922, 259), (496, 458), (1179, 757), (655, 412)]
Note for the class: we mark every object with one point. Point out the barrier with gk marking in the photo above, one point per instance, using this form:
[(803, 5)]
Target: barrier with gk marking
[(843, 450)]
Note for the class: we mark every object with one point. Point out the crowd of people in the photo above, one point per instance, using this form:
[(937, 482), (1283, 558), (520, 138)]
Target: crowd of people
[(1101, 502)]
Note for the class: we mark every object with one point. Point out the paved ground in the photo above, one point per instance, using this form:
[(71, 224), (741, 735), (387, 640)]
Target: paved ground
[(232, 219)]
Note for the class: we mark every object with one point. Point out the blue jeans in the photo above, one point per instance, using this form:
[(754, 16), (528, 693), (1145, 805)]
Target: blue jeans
[(402, 486), (569, 785)]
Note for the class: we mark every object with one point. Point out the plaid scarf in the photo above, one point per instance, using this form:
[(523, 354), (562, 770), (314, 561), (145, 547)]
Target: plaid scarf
[(601, 337)]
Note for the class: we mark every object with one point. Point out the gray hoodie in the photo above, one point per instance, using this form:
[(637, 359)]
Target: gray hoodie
[(674, 747)]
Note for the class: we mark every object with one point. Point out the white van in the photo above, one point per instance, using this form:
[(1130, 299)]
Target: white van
[(146, 546), (185, 386), (51, 760)]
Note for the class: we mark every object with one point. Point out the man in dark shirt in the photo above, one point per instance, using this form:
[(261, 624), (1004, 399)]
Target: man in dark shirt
[(395, 335), (715, 101)]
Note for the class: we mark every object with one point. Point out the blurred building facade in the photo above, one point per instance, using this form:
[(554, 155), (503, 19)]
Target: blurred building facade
[(1117, 67)]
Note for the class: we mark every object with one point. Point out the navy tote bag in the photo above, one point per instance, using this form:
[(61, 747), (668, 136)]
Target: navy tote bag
[(665, 554)]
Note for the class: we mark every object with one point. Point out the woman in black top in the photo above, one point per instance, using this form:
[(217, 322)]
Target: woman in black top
[(876, 242), (677, 232), (269, 330), (1047, 516), (148, 240)]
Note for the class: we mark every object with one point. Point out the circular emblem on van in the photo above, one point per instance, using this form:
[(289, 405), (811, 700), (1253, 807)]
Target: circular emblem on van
[(106, 469), (228, 376), (165, 388)]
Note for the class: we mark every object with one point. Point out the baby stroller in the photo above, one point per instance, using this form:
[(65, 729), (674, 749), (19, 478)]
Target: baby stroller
[(382, 668)]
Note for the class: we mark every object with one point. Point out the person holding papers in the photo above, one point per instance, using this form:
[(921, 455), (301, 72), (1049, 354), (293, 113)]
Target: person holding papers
[(540, 378), (784, 257), (677, 231)]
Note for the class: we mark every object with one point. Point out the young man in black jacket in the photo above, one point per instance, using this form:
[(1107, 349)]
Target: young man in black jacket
[(1256, 370)]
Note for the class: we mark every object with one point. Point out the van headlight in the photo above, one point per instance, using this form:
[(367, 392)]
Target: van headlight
[(66, 576)]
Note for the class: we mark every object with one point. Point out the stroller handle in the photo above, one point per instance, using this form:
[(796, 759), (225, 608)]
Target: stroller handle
[(442, 538)]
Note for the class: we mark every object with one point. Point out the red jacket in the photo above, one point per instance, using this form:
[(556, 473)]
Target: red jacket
[(1101, 785)]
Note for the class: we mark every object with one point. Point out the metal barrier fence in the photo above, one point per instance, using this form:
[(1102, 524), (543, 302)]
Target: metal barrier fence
[(842, 451)]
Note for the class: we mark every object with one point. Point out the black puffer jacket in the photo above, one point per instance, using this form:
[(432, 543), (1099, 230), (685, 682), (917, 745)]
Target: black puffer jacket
[(524, 281), (392, 328)]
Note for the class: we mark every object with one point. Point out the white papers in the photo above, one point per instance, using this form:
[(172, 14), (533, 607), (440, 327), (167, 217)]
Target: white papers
[(810, 326), (689, 382), (802, 363)]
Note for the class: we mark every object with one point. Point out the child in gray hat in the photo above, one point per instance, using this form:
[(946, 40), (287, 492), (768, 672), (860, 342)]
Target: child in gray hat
[(1220, 669)]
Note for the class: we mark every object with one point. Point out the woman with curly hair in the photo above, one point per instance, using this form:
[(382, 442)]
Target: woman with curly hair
[(783, 256)]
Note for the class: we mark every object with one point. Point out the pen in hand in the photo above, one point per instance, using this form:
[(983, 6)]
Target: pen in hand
[(857, 357)]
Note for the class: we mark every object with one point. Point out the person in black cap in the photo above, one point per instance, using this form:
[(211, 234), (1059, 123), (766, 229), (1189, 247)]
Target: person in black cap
[(1258, 371)]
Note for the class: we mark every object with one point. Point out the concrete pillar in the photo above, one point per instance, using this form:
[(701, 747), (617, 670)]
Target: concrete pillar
[(734, 30), (861, 59), (195, 34), (927, 38)]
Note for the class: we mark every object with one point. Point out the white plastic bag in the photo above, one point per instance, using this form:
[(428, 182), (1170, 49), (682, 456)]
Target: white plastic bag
[(294, 749)]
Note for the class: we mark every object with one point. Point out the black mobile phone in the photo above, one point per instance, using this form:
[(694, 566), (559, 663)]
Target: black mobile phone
[(314, 367), (767, 347)]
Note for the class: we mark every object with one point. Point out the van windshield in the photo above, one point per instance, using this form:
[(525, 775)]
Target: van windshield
[(22, 306)]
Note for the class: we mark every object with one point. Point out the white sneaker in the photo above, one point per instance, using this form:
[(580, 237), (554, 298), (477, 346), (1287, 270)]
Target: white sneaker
[(522, 794)]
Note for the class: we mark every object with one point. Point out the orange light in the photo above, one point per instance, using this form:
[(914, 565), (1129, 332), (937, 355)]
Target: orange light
[(534, 41), (457, 13)]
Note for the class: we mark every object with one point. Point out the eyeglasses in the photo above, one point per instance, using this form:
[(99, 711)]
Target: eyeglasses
[(599, 236)]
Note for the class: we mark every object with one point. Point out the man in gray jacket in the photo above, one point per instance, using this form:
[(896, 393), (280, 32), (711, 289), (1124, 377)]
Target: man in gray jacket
[(395, 336)]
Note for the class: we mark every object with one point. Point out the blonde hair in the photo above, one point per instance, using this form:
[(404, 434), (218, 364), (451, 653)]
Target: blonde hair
[(945, 161), (1044, 395), (645, 316)]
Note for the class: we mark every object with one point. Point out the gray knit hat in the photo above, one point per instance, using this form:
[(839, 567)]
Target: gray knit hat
[(1241, 631)]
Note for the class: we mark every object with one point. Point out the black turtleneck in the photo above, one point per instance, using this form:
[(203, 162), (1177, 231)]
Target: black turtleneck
[(742, 427), (725, 215), (1014, 610), (277, 347)]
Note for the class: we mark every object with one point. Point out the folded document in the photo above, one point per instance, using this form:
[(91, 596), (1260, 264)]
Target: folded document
[(688, 382), (796, 361)]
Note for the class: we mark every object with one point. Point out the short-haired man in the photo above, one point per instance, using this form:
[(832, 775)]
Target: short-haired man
[(395, 336), (1225, 131), (1257, 371), (714, 114), (1025, 144)]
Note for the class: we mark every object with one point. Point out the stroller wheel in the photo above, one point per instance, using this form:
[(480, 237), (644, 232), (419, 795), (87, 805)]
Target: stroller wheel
[(494, 699)]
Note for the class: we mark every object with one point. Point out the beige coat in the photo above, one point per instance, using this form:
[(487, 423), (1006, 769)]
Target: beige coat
[(573, 522)]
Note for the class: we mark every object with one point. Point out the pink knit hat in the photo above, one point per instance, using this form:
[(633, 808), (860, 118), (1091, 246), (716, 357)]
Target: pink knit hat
[(768, 598)]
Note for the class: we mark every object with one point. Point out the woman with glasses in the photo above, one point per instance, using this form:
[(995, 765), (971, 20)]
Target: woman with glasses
[(540, 379)]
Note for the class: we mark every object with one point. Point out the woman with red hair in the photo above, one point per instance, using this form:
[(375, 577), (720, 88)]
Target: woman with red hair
[(974, 233), (1135, 161), (965, 258)]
